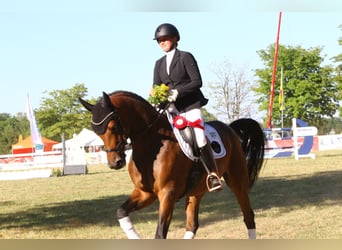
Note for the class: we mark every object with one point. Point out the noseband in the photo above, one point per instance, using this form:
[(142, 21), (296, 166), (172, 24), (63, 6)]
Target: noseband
[(117, 129)]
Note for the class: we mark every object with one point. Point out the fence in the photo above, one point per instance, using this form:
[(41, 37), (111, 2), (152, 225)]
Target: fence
[(39, 165), (31, 165)]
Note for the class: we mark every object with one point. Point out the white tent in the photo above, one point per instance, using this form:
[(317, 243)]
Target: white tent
[(85, 138), (96, 142), (88, 138)]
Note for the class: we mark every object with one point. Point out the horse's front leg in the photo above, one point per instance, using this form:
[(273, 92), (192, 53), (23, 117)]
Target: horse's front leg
[(167, 202), (138, 200), (192, 210)]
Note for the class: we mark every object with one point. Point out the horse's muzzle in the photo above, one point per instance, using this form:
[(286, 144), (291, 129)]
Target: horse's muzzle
[(118, 164)]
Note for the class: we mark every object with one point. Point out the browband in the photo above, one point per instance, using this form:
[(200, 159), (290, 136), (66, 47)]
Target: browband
[(103, 120)]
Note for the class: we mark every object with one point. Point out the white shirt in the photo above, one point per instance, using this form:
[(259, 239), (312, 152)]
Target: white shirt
[(169, 57)]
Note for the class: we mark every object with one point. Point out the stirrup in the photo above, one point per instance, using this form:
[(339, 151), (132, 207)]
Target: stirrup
[(215, 188)]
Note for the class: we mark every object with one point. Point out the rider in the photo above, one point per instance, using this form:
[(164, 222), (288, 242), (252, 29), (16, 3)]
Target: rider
[(179, 71)]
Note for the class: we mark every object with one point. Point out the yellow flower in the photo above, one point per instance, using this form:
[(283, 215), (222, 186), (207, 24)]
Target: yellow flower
[(164, 87), (158, 94)]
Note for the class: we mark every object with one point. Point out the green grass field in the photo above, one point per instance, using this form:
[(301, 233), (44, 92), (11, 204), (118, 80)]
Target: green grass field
[(292, 200)]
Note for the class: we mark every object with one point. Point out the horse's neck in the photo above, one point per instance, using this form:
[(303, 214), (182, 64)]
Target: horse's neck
[(138, 121)]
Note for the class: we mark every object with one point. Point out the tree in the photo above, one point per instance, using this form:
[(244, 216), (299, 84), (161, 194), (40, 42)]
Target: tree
[(10, 129), (338, 69), (62, 112), (207, 116), (310, 89), (231, 92), (331, 125)]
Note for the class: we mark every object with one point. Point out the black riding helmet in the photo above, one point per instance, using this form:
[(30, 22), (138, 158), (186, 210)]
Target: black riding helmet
[(166, 29)]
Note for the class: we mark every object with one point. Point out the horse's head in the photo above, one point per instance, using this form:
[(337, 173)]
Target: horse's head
[(106, 124)]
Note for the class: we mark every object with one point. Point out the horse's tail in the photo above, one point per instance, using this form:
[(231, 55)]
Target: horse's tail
[(253, 144)]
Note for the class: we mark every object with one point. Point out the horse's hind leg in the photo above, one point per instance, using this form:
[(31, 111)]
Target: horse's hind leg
[(136, 201), (241, 190), (192, 209)]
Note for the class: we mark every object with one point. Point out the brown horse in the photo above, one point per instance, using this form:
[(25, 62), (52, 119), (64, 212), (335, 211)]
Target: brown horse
[(160, 170)]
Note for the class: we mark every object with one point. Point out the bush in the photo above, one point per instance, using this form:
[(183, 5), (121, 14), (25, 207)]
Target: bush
[(56, 172)]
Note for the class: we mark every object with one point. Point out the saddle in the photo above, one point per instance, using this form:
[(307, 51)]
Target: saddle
[(186, 136)]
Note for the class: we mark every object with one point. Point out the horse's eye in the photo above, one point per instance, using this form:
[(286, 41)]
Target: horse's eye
[(114, 129)]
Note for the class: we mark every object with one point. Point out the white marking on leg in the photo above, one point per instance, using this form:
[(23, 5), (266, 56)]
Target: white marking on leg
[(251, 234), (128, 228), (189, 235)]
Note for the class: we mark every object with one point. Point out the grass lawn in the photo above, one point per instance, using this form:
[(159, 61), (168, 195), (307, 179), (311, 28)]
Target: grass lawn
[(292, 200)]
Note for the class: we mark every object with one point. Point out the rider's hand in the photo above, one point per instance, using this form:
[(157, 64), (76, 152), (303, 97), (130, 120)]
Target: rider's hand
[(173, 95)]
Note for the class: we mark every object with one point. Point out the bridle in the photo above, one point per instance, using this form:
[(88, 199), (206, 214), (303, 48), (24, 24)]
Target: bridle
[(116, 129)]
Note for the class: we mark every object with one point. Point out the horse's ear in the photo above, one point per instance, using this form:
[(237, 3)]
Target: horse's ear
[(106, 100), (85, 104)]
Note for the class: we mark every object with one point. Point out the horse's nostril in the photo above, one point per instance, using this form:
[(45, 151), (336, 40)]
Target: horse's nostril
[(120, 163), (111, 166), (117, 164)]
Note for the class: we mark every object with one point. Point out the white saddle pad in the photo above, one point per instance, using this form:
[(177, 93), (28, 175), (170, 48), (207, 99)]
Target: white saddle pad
[(210, 133)]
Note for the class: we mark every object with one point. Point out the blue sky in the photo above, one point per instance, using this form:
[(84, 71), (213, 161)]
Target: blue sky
[(108, 45)]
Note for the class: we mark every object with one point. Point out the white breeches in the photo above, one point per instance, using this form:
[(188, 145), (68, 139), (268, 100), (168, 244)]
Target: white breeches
[(192, 116)]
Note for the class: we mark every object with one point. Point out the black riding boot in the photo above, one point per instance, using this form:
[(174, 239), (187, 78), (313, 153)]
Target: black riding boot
[(207, 158)]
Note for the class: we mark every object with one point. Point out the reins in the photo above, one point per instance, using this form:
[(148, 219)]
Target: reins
[(118, 127), (149, 126), (159, 116)]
